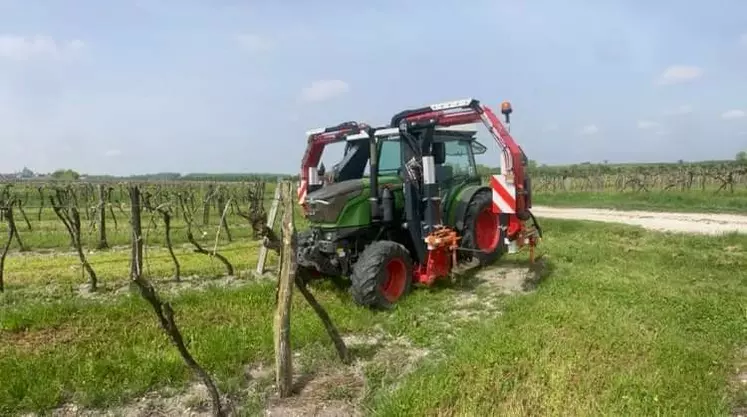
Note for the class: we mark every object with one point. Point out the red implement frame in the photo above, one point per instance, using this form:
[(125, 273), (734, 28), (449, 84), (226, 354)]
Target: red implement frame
[(509, 196), (316, 141)]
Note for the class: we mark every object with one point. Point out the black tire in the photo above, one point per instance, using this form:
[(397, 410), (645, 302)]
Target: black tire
[(370, 273), (481, 201)]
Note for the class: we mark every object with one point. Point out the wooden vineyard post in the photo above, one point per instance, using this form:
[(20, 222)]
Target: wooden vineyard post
[(270, 224), (136, 260), (286, 278), (102, 218)]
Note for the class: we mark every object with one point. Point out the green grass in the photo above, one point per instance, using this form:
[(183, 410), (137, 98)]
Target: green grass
[(627, 322), (688, 201)]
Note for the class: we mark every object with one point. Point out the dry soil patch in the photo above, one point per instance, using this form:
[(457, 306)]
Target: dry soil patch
[(193, 402), (338, 392)]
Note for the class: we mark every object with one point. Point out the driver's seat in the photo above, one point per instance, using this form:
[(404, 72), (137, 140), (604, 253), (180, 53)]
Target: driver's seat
[(444, 173)]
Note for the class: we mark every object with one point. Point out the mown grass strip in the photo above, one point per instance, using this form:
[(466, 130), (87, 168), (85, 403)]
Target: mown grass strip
[(707, 201)]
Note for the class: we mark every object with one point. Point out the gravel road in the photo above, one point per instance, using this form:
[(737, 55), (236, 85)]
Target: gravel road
[(662, 221)]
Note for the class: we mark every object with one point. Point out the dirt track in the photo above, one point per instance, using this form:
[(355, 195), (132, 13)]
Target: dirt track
[(661, 221)]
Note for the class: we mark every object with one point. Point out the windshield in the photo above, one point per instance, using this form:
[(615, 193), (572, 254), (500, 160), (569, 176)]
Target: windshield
[(345, 161), (333, 154), (459, 159)]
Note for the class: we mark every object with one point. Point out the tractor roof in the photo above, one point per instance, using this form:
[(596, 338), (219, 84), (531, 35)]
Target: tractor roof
[(462, 131), (467, 128)]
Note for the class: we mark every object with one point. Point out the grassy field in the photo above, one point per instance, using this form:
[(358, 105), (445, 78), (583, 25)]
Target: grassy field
[(44, 231), (676, 201), (624, 322)]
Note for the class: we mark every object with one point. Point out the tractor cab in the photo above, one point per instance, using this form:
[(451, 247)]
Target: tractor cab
[(454, 150)]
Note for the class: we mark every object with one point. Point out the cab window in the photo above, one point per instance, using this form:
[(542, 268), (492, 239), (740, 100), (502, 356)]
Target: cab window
[(459, 158), (390, 156)]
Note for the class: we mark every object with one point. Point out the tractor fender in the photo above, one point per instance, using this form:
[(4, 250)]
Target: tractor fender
[(460, 202)]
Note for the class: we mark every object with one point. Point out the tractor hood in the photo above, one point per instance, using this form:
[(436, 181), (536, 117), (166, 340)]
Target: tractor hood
[(335, 189), (327, 203), (344, 203)]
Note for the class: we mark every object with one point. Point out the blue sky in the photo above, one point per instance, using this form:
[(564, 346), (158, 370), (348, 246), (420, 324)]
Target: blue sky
[(134, 86)]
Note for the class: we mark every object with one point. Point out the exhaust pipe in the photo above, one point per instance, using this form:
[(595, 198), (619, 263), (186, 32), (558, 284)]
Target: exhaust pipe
[(374, 181)]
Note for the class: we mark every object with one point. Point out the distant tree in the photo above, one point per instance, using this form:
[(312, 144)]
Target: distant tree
[(66, 174), (483, 170), (26, 173), (742, 156)]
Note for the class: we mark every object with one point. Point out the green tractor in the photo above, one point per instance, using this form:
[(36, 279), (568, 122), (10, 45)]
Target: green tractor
[(405, 204)]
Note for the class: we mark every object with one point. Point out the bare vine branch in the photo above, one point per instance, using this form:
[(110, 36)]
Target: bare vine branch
[(163, 310)]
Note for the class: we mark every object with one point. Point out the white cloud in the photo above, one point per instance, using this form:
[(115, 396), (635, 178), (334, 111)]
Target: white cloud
[(23, 48), (679, 74), (589, 130), (647, 124), (112, 153), (743, 39), (681, 110), (733, 114), (254, 43), (322, 90)]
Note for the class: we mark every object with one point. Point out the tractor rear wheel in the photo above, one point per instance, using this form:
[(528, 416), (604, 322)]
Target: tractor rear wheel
[(382, 275), (482, 233)]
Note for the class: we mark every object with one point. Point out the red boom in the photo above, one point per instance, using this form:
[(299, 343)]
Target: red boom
[(317, 139), (509, 196)]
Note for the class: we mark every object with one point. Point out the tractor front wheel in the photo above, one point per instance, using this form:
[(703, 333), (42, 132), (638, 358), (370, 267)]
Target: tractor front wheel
[(482, 233), (382, 275)]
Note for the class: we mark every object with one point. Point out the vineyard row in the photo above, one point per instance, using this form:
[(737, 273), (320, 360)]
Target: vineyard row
[(90, 208)]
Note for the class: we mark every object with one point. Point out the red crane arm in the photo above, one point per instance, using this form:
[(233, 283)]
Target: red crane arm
[(471, 111), (317, 139)]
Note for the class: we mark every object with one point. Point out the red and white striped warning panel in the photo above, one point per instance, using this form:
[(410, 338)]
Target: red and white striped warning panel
[(302, 192), (504, 195)]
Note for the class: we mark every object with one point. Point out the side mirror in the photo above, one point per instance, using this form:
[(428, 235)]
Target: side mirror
[(439, 153), (478, 148)]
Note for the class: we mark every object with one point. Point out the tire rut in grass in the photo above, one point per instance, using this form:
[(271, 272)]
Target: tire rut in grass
[(484, 288)]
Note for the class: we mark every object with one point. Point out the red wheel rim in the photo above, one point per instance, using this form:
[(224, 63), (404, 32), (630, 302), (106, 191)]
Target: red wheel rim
[(396, 278), (486, 230)]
